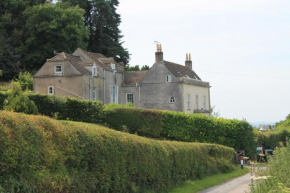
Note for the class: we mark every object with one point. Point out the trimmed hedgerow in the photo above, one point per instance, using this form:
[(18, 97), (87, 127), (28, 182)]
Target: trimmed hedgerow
[(64, 108), (272, 139), (39, 154), (183, 127)]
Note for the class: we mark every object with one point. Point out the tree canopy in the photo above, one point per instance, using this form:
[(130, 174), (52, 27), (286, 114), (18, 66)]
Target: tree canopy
[(103, 23), (52, 28), (34, 29)]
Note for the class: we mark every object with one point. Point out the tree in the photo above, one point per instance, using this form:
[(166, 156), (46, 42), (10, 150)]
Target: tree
[(52, 27), (25, 80), (9, 60), (103, 22), (18, 102), (145, 67)]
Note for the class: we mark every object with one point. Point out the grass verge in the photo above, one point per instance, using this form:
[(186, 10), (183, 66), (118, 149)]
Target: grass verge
[(192, 186)]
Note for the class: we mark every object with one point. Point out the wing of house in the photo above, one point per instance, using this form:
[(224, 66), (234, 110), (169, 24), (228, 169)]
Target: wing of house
[(174, 87), (93, 76)]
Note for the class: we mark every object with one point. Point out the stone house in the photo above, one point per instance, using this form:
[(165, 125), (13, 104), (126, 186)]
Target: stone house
[(93, 76)]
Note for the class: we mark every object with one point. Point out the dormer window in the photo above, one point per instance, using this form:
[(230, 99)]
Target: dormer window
[(168, 78), (94, 70), (113, 66), (58, 69)]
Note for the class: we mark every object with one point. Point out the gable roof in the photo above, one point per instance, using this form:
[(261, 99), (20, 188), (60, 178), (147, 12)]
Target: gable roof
[(132, 77), (180, 71), (103, 61), (76, 61)]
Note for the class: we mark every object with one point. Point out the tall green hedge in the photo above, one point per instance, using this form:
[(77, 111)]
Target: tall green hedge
[(65, 108), (183, 127), (272, 139), (39, 154), (151, 123)]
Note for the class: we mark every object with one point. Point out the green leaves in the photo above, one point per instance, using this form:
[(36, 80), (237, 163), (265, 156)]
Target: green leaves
[(184, 127), (39, 154), (52, 28)]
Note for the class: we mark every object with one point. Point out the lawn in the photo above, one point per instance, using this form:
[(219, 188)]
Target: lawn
[(192, 186)]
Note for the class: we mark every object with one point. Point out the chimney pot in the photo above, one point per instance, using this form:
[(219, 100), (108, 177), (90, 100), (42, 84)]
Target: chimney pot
[(188, 62), (159, 54)]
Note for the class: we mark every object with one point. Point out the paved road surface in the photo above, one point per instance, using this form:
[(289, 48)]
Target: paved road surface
[(237, 185)]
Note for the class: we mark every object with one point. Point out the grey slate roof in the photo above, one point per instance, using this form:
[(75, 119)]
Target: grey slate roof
[(103, 61), (133, 77), (180, 71), (76, 61)]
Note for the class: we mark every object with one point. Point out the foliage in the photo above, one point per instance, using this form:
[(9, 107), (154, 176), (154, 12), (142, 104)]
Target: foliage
[(18, 102), (39, 154), (103, 23), (50, 28), (136, 68), (277, 173), (69, 108), (9, 60), (183, 127), (25, 80)]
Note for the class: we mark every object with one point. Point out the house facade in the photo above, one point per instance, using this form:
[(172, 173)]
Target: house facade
[(93, 76)]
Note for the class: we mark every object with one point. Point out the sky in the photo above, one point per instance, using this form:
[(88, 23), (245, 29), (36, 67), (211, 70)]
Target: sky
[(241, 47)]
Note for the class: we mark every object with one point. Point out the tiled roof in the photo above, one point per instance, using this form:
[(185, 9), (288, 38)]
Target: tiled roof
[(103, 61), (180, 71), (133, 77), (76, 61)]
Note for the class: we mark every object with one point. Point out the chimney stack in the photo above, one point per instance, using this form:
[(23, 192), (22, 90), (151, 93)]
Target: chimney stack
[(188, 62), (159, 54)]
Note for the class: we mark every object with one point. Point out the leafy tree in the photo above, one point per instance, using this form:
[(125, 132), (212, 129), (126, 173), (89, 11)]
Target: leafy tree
[(145, 67), (25, 80), (136, 68), (103, 22), (18, 102), (11, 18), (9, 61), (52, 27), (132, 68)]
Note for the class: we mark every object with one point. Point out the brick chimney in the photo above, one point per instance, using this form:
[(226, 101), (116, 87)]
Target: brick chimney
[(159, 54), (188, 62)]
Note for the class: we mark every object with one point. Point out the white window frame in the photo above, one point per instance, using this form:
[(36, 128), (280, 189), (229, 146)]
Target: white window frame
[(204, 103), (94, 71), (188, 101), (172, 101), (114, 96), (94, 95), (55, 68), (113, 66), (168, 78), (52, 90), (127, 97), (196, 101)]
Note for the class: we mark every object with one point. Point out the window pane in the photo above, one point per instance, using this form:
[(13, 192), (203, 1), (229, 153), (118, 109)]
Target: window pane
[(130, 97)]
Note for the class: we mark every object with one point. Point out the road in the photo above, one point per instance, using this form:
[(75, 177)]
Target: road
[(237, 185)]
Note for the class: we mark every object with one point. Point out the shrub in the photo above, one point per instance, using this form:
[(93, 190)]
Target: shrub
[(277, 173), (183, 127), (25, 80), (39, 154), (18, 102)]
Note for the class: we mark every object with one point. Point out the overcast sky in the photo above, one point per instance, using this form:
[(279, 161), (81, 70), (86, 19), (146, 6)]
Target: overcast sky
[(241, 47)]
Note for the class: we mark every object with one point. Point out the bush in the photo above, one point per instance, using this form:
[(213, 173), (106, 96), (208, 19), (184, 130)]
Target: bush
[(277, 173), (69, 108), (39, 154), (183, 127), (25, 80), (18, 102)]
